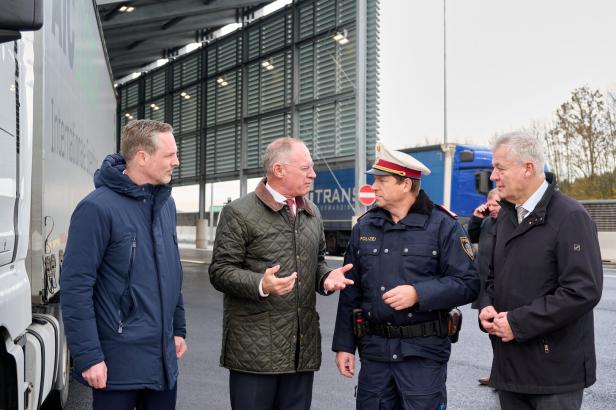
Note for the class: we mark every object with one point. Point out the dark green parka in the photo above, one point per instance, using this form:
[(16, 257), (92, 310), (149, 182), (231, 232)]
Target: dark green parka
[(260, 335)]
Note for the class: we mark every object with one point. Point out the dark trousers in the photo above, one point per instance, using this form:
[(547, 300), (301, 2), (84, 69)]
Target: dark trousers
[(414, 384), (562, 401), (144, 399), (292, 391)]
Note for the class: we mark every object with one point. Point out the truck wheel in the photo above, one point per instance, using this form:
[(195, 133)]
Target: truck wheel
[(57, 398)]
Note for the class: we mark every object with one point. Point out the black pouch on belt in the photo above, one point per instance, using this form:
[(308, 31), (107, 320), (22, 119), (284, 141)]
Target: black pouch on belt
[(454, 324), (359, 323)]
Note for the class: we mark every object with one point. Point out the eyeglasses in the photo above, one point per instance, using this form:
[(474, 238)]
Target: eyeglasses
[(305, 168)]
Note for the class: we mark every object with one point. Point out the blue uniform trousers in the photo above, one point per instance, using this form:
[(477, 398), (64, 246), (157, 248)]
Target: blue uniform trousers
[(143, 399), (416, 383)]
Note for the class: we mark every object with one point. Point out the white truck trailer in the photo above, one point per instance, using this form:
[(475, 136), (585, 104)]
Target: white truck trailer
[(57, 122)]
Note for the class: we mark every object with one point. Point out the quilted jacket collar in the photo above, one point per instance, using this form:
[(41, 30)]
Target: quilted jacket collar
[(265, 197)]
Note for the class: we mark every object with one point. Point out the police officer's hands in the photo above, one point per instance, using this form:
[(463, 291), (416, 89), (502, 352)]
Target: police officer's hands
[(502, 328), (481, 211), (336, 279), (486, 317), (96, 376), (278, 286), (180, 346), (401, 297), (346, 363)]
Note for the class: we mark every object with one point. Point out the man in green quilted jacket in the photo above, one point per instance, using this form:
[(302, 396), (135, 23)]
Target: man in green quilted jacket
[(269, 262)]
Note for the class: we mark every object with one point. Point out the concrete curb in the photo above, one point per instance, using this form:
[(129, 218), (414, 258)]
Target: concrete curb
[(193, 255)]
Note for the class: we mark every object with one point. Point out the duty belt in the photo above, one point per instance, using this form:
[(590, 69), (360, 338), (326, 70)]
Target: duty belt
[(436, 327)]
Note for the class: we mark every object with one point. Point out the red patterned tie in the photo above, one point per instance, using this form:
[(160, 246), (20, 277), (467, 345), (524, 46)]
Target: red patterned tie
[(290, 202)]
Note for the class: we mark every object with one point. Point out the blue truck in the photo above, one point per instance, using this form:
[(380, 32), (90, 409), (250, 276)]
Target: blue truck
[(460, 180)]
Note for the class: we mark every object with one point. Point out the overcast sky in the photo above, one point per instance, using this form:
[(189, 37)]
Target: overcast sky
[(508, 63)]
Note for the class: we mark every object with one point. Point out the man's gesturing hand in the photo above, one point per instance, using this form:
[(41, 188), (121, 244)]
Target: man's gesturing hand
[(346, 363), (336, 279), (96, 376), (277, 286), (401, 297)]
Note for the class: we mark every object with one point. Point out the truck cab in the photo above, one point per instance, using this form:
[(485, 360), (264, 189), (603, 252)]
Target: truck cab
[(57, 122)]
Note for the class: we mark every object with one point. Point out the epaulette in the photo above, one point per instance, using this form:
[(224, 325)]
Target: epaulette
[(362, 215), (447, 211)]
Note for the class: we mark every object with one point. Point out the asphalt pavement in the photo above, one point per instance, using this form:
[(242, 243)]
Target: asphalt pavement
[(204, 385)]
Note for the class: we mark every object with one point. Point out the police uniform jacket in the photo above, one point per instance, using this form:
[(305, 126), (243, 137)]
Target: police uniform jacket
[(427, 249), (547, 275)]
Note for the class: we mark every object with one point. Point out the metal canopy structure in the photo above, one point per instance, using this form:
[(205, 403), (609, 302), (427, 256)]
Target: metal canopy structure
[(291, 73), (309, 70), (138, 32)]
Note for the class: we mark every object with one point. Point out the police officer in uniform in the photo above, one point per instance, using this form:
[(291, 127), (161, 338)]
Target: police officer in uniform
[(412, 263)]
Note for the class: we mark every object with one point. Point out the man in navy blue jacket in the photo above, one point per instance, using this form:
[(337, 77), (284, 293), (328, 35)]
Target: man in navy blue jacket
[(412, 263), (121, 279)]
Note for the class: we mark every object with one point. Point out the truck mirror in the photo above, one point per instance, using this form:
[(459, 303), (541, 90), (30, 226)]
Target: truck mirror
[(19, 15), (482, 182), (467, 156)]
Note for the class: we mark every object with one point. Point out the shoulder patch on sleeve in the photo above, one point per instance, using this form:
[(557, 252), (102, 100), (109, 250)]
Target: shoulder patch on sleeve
[(447, 211), (467, 247)]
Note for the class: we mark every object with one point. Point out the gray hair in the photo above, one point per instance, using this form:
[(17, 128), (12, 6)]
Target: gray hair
[(492, 192), (141, 135), (523, 148), (278, 151)]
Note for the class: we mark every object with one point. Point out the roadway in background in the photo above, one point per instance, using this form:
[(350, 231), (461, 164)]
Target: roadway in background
[(204, 385)]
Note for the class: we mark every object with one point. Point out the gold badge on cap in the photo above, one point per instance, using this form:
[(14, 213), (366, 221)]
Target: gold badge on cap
[(378, 148), (467, 247)]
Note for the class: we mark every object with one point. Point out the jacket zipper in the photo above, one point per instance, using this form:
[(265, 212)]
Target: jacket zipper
[(130, 271)]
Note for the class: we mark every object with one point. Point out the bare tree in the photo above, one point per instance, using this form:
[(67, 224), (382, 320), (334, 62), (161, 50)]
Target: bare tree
[(580, 143), (581, 121)]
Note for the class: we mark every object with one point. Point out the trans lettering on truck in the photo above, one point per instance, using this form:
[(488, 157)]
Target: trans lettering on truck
[(67, 144), (333, 196), (61, 27)]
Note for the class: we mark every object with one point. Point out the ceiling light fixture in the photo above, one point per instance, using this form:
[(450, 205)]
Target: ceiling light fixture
[(126, 9), (267, 64), (341, 37)]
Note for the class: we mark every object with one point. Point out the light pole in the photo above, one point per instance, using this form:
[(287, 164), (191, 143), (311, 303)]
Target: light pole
[(445, 71), (360, 101)]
